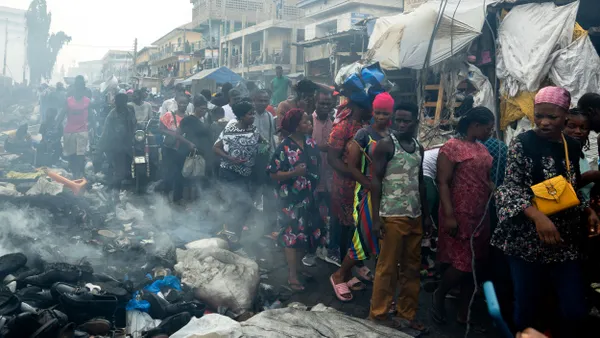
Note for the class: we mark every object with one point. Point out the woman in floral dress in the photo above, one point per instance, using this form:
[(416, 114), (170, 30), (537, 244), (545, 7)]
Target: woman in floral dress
[(544, 250), (295, 167)]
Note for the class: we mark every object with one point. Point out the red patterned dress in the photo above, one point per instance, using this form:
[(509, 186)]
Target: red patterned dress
[(469, 192), (342, 190)]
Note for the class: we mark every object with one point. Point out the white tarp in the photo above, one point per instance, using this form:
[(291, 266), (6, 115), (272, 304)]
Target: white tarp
[(485, 92), (402, 41), (287, 323), (577, 68), (528, 38)]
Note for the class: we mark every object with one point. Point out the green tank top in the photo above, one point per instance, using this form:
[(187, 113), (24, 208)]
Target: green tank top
[(400, 186)]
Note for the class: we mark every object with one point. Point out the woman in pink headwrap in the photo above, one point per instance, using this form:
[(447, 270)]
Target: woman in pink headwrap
[(543, 250)]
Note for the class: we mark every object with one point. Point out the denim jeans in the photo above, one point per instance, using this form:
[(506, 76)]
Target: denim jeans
[(567, 282)]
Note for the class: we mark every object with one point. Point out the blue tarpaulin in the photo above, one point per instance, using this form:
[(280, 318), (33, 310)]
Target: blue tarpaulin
[(219, 75)]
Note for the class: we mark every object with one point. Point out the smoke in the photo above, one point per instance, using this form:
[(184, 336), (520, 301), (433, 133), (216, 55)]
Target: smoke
[(33, 232), (146, 231)]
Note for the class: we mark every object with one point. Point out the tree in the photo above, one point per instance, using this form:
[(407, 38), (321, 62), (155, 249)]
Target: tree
[(42, 47)]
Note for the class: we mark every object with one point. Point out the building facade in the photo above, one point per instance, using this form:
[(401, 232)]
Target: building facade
[(91, 70), (175, 56), (13, 43), (332, 36), (118, 63), (142, 62), (254, 52), (218, 18)]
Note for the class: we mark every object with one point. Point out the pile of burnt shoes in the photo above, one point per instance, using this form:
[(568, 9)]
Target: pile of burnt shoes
[(63, 300)]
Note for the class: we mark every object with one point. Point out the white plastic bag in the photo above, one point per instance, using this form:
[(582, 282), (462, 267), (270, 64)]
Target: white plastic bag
[(208, 243), (221, 277), (138, 322), (194, 166)]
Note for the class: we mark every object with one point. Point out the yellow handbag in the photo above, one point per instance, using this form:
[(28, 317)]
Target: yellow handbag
[(556, 194)]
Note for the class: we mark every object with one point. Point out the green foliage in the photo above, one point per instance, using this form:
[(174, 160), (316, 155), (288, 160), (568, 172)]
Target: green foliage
[(42, 47)]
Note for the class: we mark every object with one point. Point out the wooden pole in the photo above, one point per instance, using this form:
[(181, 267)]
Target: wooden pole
[(440, 101)]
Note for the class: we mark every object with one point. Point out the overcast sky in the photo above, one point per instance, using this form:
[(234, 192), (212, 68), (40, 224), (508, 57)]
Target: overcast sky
[(99, 25)]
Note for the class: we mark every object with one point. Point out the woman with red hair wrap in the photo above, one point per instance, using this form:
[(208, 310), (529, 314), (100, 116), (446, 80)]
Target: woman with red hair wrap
[(295, 168), (346, 176)]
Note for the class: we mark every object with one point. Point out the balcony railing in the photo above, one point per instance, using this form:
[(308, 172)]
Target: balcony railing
[(257, 58)]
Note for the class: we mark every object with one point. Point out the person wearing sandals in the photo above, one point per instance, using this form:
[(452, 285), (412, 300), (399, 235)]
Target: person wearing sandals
[(399, 203), (464, 182), (295, 168), (360, 153), (351, 118), (544, 249)]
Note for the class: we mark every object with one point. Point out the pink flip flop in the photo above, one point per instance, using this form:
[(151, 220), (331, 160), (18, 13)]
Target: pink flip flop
[(341, 289), (355, 284)]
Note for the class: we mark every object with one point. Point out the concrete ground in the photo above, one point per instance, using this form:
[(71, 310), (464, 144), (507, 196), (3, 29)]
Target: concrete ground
[(318, 290)]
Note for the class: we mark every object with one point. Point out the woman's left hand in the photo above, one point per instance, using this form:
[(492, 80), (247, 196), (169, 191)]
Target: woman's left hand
[(593, 223)]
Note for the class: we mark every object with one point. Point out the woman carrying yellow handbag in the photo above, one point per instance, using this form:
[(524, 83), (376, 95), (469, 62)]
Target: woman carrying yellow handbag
[(540, 216)]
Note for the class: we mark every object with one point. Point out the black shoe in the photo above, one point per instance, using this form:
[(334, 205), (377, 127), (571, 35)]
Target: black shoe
[(114, 288), (9, 303), (36, 297), (59, 289), (11, 263), (83, 306), (96, 327), (170, 325), (47, 323), (158, 305), (195, 308), (48, 278)]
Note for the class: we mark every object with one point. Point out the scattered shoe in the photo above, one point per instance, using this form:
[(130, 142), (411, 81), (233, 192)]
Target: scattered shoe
[(48, 278), (309, 260), (11, 263), (321, 253), (333, 257), (170, 325), (9, 303), (95, 327)]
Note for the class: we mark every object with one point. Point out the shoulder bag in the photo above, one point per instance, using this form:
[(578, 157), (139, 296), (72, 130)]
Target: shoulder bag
[(556, 194)]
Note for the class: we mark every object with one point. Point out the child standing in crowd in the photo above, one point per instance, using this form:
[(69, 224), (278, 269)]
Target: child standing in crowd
[(295, 168), (543, 249), (399, 202), (463, 175), (578, 127)]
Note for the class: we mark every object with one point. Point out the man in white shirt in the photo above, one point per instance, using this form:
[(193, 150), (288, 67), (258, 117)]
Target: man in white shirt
[(142, 109), (235, 96), (170, 105), (429, 176)]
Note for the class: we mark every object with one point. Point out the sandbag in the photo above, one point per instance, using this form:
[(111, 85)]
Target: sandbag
[(208, 243), (221, 277)]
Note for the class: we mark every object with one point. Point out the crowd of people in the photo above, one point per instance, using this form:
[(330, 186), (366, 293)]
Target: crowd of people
[(350, 182)]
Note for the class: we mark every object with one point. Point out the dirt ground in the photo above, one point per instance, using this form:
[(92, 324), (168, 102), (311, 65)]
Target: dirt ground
[(318, 290)]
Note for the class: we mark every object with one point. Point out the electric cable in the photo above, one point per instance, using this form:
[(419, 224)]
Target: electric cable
[(472, 239)]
